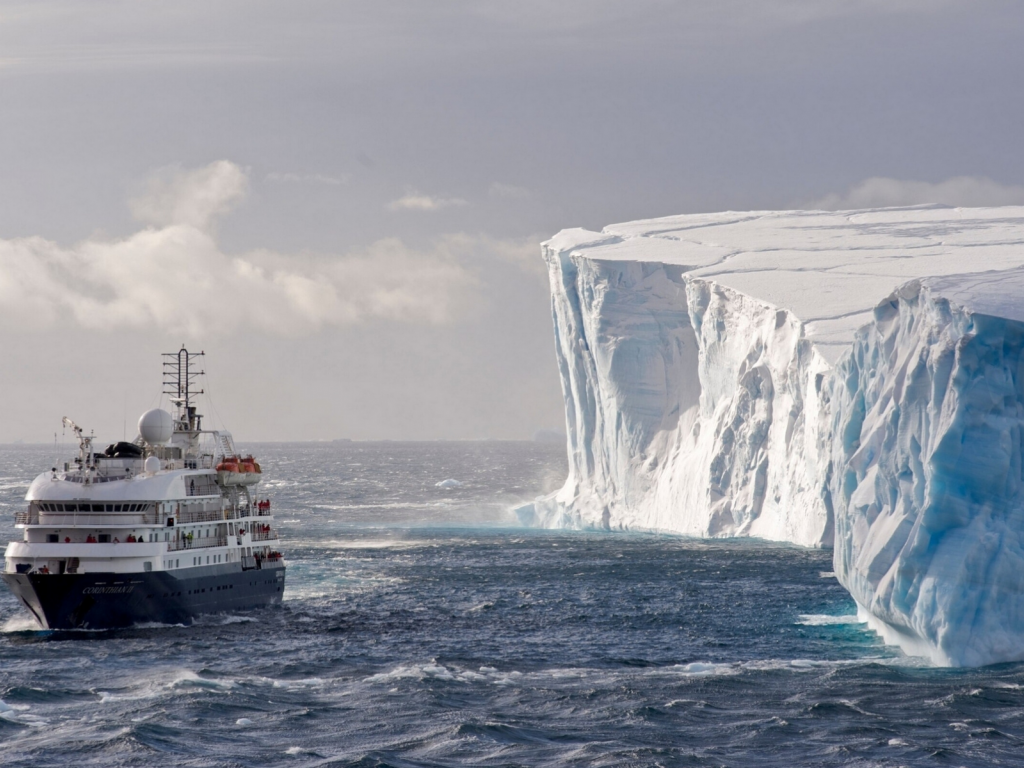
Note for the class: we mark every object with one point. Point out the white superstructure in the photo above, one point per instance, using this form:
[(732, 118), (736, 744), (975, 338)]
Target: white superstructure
[(177, 497)]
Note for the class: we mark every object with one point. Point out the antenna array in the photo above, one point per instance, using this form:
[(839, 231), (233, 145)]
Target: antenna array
[(179, 376)]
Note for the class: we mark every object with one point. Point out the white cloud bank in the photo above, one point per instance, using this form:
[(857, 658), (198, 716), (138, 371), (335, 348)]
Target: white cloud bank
[(191, 197), (415, 201), (174, 276), (882, 192)]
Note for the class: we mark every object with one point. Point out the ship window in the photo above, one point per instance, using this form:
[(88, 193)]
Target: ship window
[(51, 538), (97, 507), (110, 508), (176, 565), (117, 507), (104, 538), (147, 566)]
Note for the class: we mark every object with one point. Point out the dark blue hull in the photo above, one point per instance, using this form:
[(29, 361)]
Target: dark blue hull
[(109, 600)]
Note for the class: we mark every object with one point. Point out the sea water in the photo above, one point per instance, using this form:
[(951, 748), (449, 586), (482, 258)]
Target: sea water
[(422, 626)]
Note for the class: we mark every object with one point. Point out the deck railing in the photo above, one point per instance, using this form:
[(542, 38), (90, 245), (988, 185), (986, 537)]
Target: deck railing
[(205, 516), (88, 519), (264, 535), (202, 543)]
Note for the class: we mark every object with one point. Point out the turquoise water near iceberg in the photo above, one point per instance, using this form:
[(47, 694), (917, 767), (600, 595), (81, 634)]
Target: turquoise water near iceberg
[(423, 628)]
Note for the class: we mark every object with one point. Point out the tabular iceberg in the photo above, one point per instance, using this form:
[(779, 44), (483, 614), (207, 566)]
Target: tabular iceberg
[(851, 379)]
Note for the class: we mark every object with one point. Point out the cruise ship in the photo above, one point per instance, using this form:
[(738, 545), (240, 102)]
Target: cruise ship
[(160, 529)]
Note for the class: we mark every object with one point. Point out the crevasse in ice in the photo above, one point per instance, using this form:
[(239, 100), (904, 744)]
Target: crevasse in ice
[(850, 379)]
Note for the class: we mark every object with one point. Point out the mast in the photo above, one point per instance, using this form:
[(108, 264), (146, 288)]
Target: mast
[(180, 374)]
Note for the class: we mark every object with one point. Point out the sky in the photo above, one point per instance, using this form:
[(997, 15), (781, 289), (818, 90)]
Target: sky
[(342, 203)]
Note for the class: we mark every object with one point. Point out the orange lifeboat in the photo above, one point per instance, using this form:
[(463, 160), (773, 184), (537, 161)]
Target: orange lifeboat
[(229, 464), (233, 470)]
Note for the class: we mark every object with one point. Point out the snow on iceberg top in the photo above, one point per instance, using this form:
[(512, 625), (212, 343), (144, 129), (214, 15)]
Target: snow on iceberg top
[(831, 268)]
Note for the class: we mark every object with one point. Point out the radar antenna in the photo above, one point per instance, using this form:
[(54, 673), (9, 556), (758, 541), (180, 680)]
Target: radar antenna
[(179, 379)]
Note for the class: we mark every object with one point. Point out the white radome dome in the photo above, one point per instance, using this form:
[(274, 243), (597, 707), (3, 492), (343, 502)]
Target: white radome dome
[(152, 465), (156, 426)]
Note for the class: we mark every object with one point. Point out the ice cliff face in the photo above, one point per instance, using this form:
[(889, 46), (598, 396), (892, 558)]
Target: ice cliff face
[(928, 417), (846, 379), (686, 406)]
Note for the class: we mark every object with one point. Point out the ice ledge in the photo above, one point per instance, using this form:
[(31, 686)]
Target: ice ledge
[(706, 366)]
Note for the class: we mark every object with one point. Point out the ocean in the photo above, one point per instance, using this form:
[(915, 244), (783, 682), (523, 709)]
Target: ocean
[(423, 627)]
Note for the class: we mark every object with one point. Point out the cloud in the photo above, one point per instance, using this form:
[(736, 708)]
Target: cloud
[(414, 201), (881, 192), (508, 191), (195, 197), (308, 178), (522, 252), (175, 277)]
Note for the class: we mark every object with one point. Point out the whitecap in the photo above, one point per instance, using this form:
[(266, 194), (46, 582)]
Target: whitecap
[(236, 619), (396, 674), (449, 483), (702, 668), (243, 721), (188, 679), (21, 622), (309, 682), (822, 620), (360, 543)]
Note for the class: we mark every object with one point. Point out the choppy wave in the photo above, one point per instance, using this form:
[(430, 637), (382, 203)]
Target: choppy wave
[(401, 643)]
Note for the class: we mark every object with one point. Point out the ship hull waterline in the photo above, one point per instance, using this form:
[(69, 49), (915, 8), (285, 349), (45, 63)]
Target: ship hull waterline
[(115, 600)]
